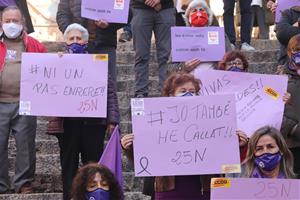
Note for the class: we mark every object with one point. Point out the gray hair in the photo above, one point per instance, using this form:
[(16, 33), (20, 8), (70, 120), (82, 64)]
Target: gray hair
[(78, 27), (8, 8)]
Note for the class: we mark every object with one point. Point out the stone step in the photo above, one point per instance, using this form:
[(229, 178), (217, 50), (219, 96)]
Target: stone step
[(263, 68), (258, 44), (50, 164), (58, 196), (41, 146), (51, 182), (265, 44), (128, 57), (128, 46)]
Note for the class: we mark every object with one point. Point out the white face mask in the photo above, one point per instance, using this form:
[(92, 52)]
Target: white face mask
[(12, 30)]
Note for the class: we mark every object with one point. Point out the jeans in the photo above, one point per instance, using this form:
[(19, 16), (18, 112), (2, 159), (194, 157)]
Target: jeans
[(127, 29), (245, 6), (145, 21)]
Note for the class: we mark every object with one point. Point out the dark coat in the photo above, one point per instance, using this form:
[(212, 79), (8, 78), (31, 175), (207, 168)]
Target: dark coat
[(285, 30), (140, 4), (69, 11), (290, 127)]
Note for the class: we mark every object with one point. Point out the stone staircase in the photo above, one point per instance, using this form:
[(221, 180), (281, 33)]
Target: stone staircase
[(47, 182)]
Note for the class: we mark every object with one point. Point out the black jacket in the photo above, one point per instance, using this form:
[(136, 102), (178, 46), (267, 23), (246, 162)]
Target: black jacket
[(290, 127), (285, 30), (69, 11)]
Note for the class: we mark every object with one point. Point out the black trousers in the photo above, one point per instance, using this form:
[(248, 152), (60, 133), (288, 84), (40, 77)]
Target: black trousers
[(296, 153), (245, 6), (83, 136)]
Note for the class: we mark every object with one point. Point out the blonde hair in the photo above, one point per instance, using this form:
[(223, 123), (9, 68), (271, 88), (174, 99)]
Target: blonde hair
[(286, 163)]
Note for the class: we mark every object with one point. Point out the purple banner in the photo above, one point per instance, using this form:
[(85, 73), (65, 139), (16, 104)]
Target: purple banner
[(205, 43), (74, 85), (258, 96), (254, 188), (112, 11), (283, 5), (180, 135)]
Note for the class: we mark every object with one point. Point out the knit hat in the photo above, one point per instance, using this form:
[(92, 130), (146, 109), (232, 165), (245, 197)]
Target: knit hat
[(198, 4)]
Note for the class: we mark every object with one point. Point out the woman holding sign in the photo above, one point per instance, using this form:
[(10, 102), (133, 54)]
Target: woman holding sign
[(268, 155), (176, 187), (84, 136)]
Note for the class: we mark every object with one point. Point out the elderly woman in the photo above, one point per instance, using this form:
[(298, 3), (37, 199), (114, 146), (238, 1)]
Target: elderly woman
[(84, 136), (268, 155), (174, 187), (94, 181)]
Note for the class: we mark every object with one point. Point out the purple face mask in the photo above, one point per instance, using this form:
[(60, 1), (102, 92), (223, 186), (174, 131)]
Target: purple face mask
[(98, 194), (294, 64), (76, 48), (296, 58), (268, 161), (235, 69)]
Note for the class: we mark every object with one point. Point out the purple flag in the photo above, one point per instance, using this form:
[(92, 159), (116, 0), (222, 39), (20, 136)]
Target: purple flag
[(112, 157)]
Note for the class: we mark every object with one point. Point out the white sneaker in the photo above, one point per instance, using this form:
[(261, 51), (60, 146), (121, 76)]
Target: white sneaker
[(232, 46), (247, 47)]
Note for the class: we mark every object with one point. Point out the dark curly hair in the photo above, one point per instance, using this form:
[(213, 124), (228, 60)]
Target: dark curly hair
[(232, 55), (87, 173), (177, 79)]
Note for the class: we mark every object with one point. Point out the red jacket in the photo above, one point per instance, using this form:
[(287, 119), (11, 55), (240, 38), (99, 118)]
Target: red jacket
[(31, 45)]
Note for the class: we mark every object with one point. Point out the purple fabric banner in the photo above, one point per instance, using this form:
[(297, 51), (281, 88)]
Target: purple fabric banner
[(112, 157), (74, 85), (283, 5), (205, 43), (258, 96), (254, 188), (180, 135), (112, 11)]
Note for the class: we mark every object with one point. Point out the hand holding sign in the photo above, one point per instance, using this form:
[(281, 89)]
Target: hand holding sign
[(112, 11), (73, 85), (254, 93), (179, 136), (205, 43)]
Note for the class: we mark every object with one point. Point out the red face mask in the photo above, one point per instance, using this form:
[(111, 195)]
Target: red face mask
[(198, 18)]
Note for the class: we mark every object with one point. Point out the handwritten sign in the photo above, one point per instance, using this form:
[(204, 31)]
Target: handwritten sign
[(255, 188), (283, 5), (74, 85), (181, 135), (113, 11), (258, 96), (204, 43)]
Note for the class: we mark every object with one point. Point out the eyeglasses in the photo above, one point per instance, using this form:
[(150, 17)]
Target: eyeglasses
[(234, 63)]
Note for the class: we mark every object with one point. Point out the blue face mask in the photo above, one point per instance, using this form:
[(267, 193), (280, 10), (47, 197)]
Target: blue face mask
[(235, 69), (185, 94), (76, 48), (268, 161), (98, 194)]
